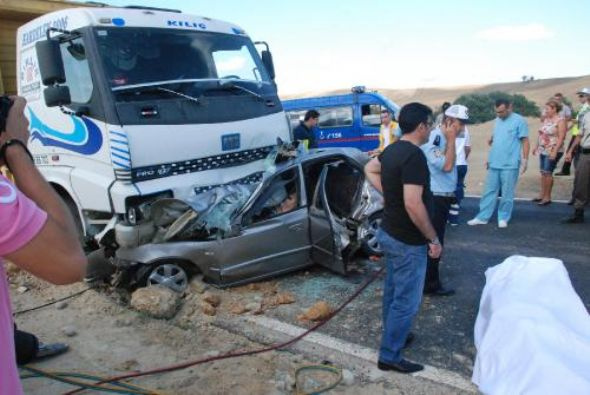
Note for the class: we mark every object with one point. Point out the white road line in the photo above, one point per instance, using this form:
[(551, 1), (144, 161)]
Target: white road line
[(366, 354), (517, 199)]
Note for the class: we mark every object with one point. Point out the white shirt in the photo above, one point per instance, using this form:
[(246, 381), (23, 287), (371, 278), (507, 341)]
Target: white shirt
[(463, 140), (386, 132)]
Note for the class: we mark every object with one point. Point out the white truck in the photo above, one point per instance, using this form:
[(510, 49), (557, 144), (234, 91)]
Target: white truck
[(128, 105)]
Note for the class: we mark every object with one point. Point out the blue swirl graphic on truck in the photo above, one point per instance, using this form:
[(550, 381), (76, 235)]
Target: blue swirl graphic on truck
[(85, 139)]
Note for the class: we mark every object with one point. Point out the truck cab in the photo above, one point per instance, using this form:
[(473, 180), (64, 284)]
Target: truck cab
[(350, 120), (130, 104)]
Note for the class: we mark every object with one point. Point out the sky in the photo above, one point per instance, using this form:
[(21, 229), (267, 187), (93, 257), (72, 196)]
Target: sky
[(336, 44)]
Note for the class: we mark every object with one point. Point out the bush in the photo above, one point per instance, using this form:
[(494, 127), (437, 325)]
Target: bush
[(481, 105)]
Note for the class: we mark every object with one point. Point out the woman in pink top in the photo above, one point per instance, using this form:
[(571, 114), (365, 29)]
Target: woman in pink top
[(37, 232), (550, 148)]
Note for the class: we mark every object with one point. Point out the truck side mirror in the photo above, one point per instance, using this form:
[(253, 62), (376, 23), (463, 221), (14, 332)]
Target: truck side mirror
[(57, 95), (51, 65), (268, 63)]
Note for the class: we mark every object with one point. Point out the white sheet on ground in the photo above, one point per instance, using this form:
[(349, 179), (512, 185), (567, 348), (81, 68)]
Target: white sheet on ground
[(532, 332)]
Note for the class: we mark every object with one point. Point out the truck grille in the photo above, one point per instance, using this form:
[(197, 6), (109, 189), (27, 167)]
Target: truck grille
[(196, 165)]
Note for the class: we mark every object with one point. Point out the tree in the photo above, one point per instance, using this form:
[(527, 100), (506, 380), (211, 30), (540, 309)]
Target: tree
[(481, 105)]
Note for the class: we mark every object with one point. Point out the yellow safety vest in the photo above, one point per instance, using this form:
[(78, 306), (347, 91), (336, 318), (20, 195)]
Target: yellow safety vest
[(392, 137)]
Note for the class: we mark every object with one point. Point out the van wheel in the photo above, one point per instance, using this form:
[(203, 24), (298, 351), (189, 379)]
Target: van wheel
[(370, 243), (168, 274)]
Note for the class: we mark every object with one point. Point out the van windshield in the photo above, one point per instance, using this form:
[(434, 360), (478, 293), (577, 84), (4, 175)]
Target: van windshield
[(137, 56)]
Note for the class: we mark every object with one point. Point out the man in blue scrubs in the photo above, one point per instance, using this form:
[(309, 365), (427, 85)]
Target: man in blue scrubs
[(508, 156)]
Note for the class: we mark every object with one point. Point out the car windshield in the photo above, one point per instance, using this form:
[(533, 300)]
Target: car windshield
[(137, 56)]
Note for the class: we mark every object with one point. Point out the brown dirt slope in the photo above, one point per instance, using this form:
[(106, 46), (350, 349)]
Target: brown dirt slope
[(538, 91)]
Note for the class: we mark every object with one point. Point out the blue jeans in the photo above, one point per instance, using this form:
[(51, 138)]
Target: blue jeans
[(496, 179), (402, 293)]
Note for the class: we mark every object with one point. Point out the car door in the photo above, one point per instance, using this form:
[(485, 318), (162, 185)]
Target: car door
[(328, 236), (268, 246)]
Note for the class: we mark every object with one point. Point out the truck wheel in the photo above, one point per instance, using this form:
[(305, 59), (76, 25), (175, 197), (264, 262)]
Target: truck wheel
[(168, 274), (370, 244)]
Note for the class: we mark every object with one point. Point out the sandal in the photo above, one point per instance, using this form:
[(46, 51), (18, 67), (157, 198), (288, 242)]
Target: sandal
[(544, 203), (536, 200)]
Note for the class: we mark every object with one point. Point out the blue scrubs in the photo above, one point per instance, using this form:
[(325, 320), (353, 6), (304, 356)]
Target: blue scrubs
[(504, 165)]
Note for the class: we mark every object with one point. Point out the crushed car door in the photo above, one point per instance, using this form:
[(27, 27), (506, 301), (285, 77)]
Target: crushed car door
[(329, 236)]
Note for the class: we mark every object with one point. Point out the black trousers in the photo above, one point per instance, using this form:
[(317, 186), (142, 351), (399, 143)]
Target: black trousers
[(442, 204), (26, 346)]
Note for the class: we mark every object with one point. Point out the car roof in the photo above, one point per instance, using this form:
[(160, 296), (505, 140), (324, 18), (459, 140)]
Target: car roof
[(354, 154)]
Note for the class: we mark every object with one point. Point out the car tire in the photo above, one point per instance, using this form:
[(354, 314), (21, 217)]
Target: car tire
[(370, 244), (170, 274)]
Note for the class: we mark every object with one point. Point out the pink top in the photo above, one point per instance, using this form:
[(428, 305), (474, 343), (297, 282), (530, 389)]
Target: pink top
[(20, 221)]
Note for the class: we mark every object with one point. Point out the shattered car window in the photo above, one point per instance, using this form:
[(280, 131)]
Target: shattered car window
[(281, 196)]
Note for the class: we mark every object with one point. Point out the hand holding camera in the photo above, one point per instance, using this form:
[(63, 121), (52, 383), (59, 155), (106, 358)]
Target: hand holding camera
[(13, 125)]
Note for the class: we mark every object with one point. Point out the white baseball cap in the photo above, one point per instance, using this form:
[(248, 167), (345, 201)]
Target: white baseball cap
[(585, 91), (458, 111)]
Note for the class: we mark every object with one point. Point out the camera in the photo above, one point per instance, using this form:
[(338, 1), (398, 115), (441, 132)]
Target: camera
[(5, 104)]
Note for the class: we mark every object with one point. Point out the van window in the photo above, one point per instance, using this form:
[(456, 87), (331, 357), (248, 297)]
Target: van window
[(295, 117), (77, 71), (335, 116), (372, 114)]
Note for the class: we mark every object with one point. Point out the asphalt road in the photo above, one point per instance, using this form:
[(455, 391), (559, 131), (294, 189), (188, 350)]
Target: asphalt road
[(444, 326)]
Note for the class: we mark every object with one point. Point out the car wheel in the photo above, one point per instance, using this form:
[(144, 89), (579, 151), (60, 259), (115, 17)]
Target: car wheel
[(169, 274), (370, 243)]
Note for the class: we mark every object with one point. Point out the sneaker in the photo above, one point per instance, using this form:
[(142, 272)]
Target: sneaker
[(476, 221), (502, 224)]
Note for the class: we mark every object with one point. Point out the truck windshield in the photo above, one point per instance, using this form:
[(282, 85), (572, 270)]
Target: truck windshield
[(137, 56)]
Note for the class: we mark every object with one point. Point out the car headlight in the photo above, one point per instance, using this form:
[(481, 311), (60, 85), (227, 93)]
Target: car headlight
[(138, 207)]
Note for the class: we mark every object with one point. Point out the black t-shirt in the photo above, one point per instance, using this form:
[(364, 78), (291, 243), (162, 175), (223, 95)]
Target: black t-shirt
[(403, 163)]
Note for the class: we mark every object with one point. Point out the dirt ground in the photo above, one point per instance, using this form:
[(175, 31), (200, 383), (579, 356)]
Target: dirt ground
[(111, 339)]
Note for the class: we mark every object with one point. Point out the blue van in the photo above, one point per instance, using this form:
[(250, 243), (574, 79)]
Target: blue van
[(350, 120)]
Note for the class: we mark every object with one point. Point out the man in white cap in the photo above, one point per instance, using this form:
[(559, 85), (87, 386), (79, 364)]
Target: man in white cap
[(440, 151), (509, 153)]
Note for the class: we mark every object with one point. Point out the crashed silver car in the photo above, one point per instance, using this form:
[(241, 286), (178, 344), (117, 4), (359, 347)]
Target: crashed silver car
[(314, 208)]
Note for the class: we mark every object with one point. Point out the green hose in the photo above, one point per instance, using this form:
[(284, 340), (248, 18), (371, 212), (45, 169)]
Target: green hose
[(68, 378), (332, 369)]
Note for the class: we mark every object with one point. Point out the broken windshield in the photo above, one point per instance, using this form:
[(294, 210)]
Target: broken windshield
[(137, 56)]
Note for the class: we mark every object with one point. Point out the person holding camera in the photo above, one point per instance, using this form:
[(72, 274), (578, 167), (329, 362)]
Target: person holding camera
[(37, 231)]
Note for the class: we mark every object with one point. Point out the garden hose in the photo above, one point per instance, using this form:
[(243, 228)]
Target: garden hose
[(327, 368), (115, 387)]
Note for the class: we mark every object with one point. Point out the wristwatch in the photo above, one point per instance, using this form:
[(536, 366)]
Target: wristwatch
[(434, 241)]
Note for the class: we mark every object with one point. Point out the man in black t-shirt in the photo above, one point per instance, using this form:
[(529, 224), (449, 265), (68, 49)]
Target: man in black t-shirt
[(407, 236)]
